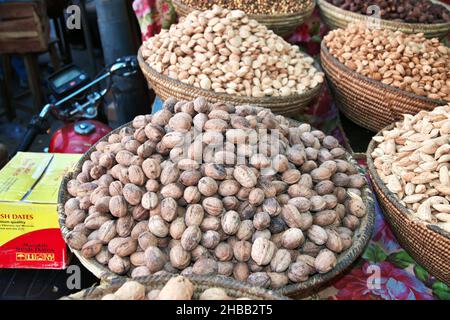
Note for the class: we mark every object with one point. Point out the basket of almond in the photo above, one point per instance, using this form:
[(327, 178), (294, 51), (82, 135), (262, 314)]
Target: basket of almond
[(175, 287), (218, 190), (227, 57), (377, 75), (409, 165), (283, 17), (430, 17)]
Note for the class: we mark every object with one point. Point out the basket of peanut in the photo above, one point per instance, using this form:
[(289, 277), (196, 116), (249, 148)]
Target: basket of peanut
[(430, 17), (378, 75), (175, 287), (283, 17), (409, 165), (227, 57), (218, 189)]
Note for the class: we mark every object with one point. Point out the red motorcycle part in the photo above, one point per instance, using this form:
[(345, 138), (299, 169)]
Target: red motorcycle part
[(77, 137)]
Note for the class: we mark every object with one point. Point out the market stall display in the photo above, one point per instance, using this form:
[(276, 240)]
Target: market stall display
[(283, 17), (377, 75), (233, 212), (437, 24), (175, 287), (408, 163), (227, 57)]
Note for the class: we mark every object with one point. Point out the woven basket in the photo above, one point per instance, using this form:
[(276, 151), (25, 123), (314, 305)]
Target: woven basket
[(428, 245), (360, 238), (367, 102), (335, 17), (282, 24), (166, 87), (235, 289)]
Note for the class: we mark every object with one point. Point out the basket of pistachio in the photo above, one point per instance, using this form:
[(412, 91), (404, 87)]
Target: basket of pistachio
[(430, 17), (175, 287), (409, 165), (283, 17), (378, 75), (218, 190), (227, 57)]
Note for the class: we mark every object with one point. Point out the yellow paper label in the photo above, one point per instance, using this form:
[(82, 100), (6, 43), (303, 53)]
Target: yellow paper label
[(17, 219)]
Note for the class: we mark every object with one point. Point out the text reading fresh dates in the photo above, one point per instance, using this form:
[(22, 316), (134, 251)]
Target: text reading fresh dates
[(16, 216), (246, 309)]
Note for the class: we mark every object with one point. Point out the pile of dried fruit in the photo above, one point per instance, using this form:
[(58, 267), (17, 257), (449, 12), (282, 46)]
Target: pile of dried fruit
[(216, 189), (407, 62), (225, 51), (253, 7), (177, 288), (411, 11), (413, 159)]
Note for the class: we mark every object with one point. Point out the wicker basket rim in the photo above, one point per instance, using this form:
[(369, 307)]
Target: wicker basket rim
[(373, 82), (152, 281), (226, 96), (391, 196), (252, 16), (359, 16), (361, 236)]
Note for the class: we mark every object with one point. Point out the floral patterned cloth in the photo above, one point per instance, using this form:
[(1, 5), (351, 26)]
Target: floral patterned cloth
[(385, 271)]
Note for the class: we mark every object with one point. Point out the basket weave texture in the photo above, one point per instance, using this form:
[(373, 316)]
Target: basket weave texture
[(361, 236), (166, 87), (367, 102), (234, 289), (335, 17), (282, 24), (428, 245)]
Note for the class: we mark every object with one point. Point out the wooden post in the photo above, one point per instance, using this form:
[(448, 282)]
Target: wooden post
[(34, 82)]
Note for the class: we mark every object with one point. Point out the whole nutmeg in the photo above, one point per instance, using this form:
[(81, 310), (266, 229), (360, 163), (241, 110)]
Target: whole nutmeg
[(261, 220), (356, 207), (207, 186), (124, 225), (256, 197), (152, 185), (190, 177), (76, 239), (172, 190), (271, 206), (210, 223), (85, 203), (155, 259), (139, 272), (225, 268), (292, 238), (245, 176), (119, 265), (180, 122), (277, 280), (192, 194), (169, 174), (317, 234), (126, 247), (259, 279), (298, 272), (158, 226), (147, 239), (242, 250), (149, 200), (350, 221), (291, 176), (71, 205), (103, 256), (357, 181), (212, 206), (132, 193), (324, 218), (246, 230), (265, 234), (105, 180), (277, 225), (75, 218), (98, 193), (194, 215), (241, 271), (291, 216), (151, 168), (138, 229), (230, 222), (72, 187), (317, 203), (179, 258), (169, 209), (210, 239), (191, 237), (200, 252), (205, 266), (139, 213), (115, 188), (262, 251), (230, 203), (334, 242), (223, 252), (118, 206), (107, 231), (281, 260), (177, 227), (102, 204), (325, 261), (136, 175)]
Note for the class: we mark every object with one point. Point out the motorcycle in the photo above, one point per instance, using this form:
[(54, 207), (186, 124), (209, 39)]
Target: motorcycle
[(80, 130)]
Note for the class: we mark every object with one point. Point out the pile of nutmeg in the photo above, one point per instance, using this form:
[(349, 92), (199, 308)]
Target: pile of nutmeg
[(200, 188)]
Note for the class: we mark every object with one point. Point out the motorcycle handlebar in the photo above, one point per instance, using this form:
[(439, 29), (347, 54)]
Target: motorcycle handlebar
[(28, 138)]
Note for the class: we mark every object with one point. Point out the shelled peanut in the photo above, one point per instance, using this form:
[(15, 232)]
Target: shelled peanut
[(408, 62), (413, 160), (225, 51), (177, 288), (200, 188), (253, 6)]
